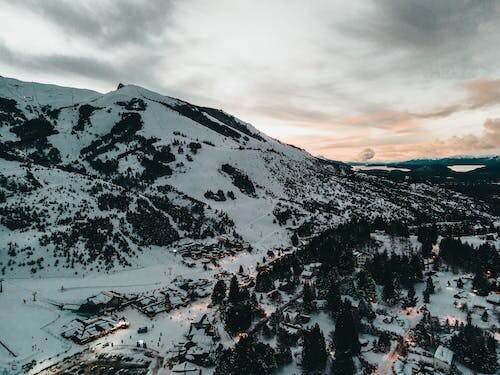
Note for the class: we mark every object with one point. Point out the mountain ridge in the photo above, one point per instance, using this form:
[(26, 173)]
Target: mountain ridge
[(96, 181)]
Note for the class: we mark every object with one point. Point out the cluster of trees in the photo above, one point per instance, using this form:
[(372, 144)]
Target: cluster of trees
[(395, 228), (102, 244), (426, 332), (475, 347), (238, 306), (84, 113), (345, 340), (218, 196), (247, 357), (465, 256), (314, 352), (189, 214), (394, 272), (152, 227), (427, 235), (482, 260), (286, 268), (240, 179), (333, 247)]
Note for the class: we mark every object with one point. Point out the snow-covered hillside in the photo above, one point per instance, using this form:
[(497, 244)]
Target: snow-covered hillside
[(92, 181)]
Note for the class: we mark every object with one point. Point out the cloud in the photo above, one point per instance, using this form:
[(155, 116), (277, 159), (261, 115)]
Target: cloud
[(366, 154), (486, 142), (357, 74), (109, 23), (133, 70)]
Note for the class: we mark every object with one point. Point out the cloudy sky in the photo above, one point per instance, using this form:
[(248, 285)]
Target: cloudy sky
[(349, 80)]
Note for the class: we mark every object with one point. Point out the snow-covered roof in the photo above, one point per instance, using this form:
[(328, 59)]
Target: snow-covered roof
[(493, 299), (184, 368), (444, 355), (321, 302), (100, 298)]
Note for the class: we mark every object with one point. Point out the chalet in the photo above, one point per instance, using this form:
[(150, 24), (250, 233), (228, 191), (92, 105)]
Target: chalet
[(274, 295), (82, 331), (286, 286), (185, 368), (200, 350), (108, 300), (314, 268), (320, 304), (361, 258), (443, 358), (201, 326), (494, 299), (302, 319), (479, 308), (307, 275)]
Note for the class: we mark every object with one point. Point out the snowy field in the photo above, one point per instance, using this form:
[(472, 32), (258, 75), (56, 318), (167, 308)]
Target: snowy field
[(31, 330)]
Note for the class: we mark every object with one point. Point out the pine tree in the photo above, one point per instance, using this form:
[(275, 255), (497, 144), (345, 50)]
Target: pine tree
[(264, 282), (283, 354), (410, 300), (295, 239), (365, 310), (388, 290), (480, 284), (430, 285), (384, 342), (485, 316), (308, 298), (426, 249), (346, 336), (238, 317), (253, 300), (219, 292), (366, 285), (314, 350), (234, 290), (343, 364), (426, 296), (417, 266), (334, 302)]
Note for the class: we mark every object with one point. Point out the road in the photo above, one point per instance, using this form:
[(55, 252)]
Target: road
[(387, 366)]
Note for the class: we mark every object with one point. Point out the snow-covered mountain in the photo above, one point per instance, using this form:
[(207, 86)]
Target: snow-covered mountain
[(102, 180)]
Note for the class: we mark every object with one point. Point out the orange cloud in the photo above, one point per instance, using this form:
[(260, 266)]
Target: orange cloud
[(402, 148)]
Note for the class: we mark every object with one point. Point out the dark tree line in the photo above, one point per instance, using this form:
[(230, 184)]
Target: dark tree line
[(483, 261), (475, 347), (247, 357), (334, 246)]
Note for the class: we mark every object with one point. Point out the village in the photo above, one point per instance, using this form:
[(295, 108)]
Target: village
[(178, 328)]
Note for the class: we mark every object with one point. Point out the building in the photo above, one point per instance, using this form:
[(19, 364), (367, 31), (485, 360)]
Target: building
[(82, 331), (494, 299), (443, 358), (185, 368), (307, 275)]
